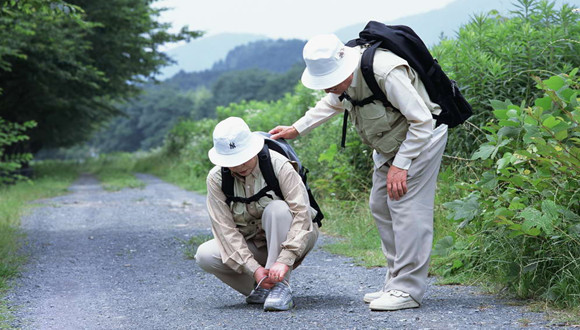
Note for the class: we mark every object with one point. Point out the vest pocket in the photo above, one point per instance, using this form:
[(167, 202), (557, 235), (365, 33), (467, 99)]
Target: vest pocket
[(384, 128), (375, 123)]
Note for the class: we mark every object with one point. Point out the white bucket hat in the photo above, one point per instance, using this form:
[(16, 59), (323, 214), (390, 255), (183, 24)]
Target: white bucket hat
[(328, 62), (233, 143)]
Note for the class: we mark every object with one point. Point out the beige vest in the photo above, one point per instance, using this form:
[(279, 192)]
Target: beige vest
[(380, 127)]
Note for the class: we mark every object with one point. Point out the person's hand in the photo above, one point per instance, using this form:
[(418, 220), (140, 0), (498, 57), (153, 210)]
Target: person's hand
[(259, 274), (286, 132), (396, 182), (278, 271)]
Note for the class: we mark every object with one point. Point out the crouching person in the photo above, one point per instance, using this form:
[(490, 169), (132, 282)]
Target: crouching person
[(259, 238)]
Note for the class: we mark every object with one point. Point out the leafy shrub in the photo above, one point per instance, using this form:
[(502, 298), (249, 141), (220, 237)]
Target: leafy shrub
[(10, 163), (494, 57), (521, 223)]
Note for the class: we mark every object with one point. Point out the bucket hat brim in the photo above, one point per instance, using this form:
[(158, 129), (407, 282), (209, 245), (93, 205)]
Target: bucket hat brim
[(241, 156), (347, 67)]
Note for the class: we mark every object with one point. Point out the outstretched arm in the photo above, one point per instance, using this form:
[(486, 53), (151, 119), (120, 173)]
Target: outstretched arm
[(325, 108)]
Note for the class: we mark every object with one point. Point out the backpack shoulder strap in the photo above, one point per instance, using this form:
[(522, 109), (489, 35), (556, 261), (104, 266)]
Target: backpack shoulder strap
[(227, 184), (369, 75), (267, 169)]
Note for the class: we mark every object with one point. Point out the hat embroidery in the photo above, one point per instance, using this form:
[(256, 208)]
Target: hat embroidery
[(232, 145), (341, 53)]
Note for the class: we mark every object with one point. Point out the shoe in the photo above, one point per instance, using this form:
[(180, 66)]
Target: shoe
[(372, 296), (257, 296), (393, 300), (280, 298)]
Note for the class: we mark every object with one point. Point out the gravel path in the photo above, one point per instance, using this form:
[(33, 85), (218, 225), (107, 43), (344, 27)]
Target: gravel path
[(115, 260)]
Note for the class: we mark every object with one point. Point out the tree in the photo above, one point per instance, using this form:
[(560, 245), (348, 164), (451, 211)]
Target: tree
[(67, 69)]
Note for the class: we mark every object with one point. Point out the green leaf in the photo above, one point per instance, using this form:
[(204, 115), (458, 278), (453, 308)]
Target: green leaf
[(465, 209), (550, 122), (509, 131), (483, 152), (544, 102), (555, 82), (504, 161), (500, 114), (513, 113), (561, 135), (509, 123), (516, 204), (534, 232), (552, 210), (443, 247), (457, 264), (535, 218), (499, 105)]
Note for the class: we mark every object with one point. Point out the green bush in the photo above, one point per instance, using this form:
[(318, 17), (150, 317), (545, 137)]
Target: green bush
[(494, 57), (521, 223), (11, 162)]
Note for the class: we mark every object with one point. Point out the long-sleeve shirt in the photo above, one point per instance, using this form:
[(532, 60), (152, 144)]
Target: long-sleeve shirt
[(233, 226), (407, 93)]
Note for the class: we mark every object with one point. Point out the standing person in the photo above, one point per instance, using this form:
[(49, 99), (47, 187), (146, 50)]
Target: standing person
[(407, 155), (256, 245)]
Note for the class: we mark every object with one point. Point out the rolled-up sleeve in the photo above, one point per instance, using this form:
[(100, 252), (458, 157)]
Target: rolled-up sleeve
[(233, 247), (302, 228)]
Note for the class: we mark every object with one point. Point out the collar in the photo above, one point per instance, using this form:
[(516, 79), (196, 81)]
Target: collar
[(255, 172)]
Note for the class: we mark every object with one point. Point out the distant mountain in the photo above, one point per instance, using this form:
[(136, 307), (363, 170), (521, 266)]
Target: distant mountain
[(272, 55), (200, 54), (275, 56)]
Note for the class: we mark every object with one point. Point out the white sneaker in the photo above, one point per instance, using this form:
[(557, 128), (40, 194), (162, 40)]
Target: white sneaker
[(393, 300), (372, 296)]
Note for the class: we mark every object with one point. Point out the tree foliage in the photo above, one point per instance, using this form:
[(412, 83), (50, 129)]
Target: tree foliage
[(70, 63), (148, 117), (145, 121), (10, 164)]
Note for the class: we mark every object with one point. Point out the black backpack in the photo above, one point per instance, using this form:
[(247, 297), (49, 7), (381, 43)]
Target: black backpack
[(282, 147), (405, 43)]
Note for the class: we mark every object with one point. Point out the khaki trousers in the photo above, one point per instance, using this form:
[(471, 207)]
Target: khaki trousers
[(276, 221), (406, 225)]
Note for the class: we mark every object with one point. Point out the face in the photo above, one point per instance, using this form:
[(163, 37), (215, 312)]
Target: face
[(342, 87), (246, 168)]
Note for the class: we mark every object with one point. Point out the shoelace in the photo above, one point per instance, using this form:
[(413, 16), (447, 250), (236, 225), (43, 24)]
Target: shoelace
[(273, 293), (259, 283)]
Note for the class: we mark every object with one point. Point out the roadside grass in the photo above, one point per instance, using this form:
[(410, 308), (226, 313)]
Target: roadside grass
[(50, 179), (351, 223), (177, 171), (114, 171), (191, 245)]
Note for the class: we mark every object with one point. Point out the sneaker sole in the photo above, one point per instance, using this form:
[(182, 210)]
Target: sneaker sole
[(368, 299), (279, 309), (407, 305)]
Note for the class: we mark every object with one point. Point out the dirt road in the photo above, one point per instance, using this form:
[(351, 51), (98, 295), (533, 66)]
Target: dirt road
[(115, 260)]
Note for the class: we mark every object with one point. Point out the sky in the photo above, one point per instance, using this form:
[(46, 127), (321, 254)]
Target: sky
[(300, 19)]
